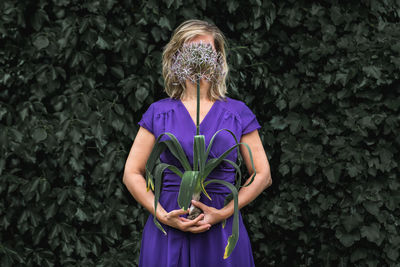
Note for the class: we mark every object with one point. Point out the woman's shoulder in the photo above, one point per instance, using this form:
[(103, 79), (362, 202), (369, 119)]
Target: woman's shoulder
[(163, 105), (233, 105)]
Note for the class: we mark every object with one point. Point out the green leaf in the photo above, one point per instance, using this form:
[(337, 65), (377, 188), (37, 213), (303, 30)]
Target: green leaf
[(238, 182), (175, 170), (117, 124), (227, 199), (347, 239), (158, 173), (372, 207), (213, 163), (156, 33), (141, 94), (372, 233), (232, 6), (164, 22), (158, 181), (333, 173), (81, 215), (352, 221), (169, 3), (278, 123), (118, 72), (100, 22), (204, 191), (212, 142), (119, 109), (392, 254), (102, 43), (195, 155), (199, 157), (38, 18), (372, 71), (190, 181), (176, 149), (39, 134), (9, 255), (158, 148), (41, 42), (284, 169), (232, 240)]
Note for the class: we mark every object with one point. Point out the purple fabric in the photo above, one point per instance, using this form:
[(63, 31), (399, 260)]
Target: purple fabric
[(184, 249)]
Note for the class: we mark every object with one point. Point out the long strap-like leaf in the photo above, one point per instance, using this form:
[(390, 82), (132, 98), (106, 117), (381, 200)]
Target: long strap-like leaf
[(212, 141), (176, 149), (199, 147), (158, 181), (155, 153), (232, 240), (213, 163), (158, 148), (238, 181), (199, 158), (175, 170), (195, 155), (239, 156), (189, 184), (158, 173)]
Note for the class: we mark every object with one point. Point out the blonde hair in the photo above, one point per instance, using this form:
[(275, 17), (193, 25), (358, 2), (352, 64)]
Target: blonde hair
[(185, 32)]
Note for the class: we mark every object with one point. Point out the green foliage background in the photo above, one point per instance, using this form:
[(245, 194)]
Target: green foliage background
[(321, 76)]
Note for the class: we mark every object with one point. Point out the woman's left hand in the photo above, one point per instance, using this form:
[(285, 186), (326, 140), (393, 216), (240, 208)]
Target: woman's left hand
[(211, 215)]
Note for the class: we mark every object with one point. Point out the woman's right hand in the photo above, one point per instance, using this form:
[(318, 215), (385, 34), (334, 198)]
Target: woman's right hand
[(174, 220)]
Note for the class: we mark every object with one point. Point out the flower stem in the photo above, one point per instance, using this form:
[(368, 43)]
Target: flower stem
[(198, 107)]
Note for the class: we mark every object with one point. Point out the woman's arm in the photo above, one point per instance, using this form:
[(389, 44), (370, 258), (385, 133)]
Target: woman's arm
[(262, 180), (136, 184), (135, 169)]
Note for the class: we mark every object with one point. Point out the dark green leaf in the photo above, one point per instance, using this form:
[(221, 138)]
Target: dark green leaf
[(189, 183), (39, 134)]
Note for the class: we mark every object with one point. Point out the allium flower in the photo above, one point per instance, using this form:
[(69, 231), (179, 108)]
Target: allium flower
[(197, 60)]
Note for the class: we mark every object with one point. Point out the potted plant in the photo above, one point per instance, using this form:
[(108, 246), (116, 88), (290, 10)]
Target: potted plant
[(195, 61)]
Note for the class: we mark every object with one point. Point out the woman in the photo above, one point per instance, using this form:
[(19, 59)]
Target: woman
[(198, 242)]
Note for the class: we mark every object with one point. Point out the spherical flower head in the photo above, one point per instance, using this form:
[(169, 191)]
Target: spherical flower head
[(197, 60)]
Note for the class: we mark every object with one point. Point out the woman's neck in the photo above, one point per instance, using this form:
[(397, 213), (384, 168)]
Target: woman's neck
[(190, 93)]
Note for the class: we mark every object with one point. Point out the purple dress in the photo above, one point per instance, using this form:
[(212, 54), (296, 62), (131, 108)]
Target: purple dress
[(185, 249)]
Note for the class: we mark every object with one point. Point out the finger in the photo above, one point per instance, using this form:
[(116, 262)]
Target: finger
[(199, 205), (199, 229), (179, 212), (183, 219), (202, 222), (195, 221), (199, 223)]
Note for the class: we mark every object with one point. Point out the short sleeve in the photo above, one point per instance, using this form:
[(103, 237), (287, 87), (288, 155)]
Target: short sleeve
[(249, 120), (147, 119)]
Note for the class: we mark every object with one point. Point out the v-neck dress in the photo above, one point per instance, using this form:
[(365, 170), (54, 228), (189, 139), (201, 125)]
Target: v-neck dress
[(185, 249)]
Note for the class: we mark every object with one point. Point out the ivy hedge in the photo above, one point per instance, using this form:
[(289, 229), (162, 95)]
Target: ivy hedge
[(321, 76)]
